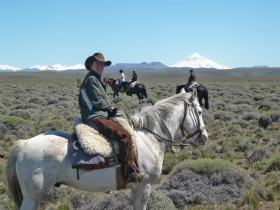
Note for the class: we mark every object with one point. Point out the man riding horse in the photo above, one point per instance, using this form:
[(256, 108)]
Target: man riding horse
[(134, 78), (121, 80), (96, 109), (191, 81)]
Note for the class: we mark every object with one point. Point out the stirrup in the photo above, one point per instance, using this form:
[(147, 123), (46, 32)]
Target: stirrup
[(135, 177)]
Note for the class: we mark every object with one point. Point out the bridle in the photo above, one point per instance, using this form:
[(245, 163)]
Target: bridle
[(199, 127), (199, 130)]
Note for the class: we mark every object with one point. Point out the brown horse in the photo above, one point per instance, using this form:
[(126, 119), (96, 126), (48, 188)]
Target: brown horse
[(139, 89), (79, 83), (115, 86)]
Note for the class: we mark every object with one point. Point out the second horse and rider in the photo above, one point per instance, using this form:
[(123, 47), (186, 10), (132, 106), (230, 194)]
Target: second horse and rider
[(126, 86)]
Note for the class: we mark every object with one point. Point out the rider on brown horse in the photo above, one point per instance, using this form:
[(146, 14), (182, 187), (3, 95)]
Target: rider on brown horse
[(122, 80)]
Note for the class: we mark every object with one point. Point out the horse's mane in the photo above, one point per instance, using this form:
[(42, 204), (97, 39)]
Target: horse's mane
[(147, 115)]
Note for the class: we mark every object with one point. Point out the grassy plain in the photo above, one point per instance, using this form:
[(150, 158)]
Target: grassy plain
[(243, 126)]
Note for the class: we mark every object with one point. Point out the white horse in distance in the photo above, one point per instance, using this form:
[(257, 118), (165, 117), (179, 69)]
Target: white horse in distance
[(37, 164)]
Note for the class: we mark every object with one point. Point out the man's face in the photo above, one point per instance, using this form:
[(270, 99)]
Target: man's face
[(98, 67)]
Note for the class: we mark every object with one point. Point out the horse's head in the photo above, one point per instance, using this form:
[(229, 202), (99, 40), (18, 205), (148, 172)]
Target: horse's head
[(192, 121), (79, 83), (109, 81), (179, 88), (105, 80)]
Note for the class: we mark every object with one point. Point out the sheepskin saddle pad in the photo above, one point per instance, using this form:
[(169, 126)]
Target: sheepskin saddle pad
[(192, 87), (133, 84), (94, 142)]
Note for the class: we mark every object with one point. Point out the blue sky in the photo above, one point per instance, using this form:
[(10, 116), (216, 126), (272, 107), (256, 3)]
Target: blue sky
[(234, 33)]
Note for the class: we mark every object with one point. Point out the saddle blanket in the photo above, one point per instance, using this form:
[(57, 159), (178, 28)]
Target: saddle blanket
[(80, 159), (91, 146)]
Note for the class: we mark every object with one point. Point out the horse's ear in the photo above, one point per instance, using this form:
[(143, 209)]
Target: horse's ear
[(182, 90)]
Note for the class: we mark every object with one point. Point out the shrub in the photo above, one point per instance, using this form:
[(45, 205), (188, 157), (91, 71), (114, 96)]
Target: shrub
[(238, 109), (274, 165), (207, 117), (251, 116), (264, 106), (224, 116), (53, 125), (251, 199), (64, 105), (80, 199), (122, 200), (243, 101), (13, 121), (52, 101), (204, 180), (25, 114), (54, 195), (37, 101), (264, 121), (241, 123), (275, 117), (258, 155)]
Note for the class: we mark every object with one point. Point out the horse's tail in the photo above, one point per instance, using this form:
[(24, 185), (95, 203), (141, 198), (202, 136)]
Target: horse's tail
[(13, 184), (206, 98), (144, 91)]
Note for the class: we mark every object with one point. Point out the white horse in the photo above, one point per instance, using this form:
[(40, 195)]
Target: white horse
[(37, 164)]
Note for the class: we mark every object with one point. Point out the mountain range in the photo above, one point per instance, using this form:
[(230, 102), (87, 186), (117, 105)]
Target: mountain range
[(193, 61)]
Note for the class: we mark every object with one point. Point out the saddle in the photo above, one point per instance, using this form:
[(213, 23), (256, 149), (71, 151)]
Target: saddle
[(191, 87), (93, 144), (133, 84)]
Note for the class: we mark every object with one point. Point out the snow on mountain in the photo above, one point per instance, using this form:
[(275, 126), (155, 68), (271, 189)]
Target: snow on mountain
[(198, 61), (8, 68), (56, 67)]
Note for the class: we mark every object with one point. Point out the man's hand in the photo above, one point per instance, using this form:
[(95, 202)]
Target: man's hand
[(112, 112)]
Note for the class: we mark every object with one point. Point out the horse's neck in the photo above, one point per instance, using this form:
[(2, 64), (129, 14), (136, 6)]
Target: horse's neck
[(174, 121), (167, 128)]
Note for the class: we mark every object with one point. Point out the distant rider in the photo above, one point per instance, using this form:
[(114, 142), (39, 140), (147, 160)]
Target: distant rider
[(121, 79), (191, 81), (134, 78)]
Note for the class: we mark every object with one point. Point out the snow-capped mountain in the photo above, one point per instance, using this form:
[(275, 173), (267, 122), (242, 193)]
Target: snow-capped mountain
[(198, 61), (56, 67), (8, 68)]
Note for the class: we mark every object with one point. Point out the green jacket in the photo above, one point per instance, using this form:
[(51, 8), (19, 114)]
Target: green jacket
[(92, 98)]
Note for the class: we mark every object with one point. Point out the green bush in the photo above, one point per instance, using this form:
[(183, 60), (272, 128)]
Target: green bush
[(25, 114), (274, 165), (13, 121), (251, 199), (209, 166)]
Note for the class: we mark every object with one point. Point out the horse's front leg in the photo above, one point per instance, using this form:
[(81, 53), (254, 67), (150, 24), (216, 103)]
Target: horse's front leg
[(140, 195)]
